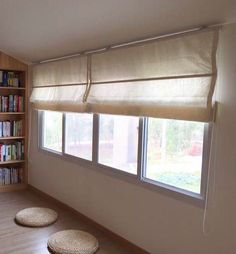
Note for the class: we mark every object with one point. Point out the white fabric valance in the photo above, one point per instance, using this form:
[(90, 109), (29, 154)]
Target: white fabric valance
[(153, 98), (172, 77), (177, 56), (60, 85), (63, 72), (61, 98)]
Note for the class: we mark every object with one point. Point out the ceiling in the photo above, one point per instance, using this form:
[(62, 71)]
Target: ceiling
[(34, 30)]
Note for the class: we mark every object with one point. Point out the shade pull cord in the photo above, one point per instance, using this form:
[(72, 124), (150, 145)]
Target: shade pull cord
[(88, 86)]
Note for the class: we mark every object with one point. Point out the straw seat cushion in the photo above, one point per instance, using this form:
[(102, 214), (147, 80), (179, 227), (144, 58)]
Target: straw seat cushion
[(36, 217), (72, 242)]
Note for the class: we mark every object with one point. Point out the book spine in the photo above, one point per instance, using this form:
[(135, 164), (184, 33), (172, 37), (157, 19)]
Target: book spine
[(1, 177), (22, 151), (11, 103), (8, 126), (15, 103), (2, 151), (4, 79), (6, 104), (2, 102), (1, 131), (1, 78)]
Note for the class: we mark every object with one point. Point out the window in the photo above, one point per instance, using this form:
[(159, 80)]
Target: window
[(52, 131), (118, 142), (174, 153), (79, 135), (153, 152)]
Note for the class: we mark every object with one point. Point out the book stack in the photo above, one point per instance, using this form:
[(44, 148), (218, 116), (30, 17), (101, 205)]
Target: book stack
[(11, 176), (9, 78), (12, 103), (14, 151), (11, 128)]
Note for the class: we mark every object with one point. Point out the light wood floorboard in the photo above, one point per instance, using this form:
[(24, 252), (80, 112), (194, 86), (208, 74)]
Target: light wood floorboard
[(15, 239)]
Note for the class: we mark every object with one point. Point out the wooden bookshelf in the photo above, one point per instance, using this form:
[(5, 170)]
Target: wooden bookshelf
[(10, 64)]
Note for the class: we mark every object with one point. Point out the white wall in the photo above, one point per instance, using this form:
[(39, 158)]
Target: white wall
[(154, 221)]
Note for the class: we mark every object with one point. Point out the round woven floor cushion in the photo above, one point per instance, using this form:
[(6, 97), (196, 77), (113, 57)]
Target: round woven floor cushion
[(36, 217), (72, 242)]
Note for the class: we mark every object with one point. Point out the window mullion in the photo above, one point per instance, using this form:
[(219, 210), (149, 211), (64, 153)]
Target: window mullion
[(205, 157), (40, 128), (142, 141), (95, 138), (63, 132)]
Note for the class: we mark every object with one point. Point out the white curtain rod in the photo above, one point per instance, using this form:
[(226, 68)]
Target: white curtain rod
[(125, 44)]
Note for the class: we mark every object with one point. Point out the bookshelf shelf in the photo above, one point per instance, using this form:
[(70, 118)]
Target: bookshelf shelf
[(13, 187), (12, 113), (11, 162), (12, 138), (13, 74), (11, 88)]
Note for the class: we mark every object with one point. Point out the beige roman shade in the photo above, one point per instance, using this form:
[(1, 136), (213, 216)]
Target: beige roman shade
[(172, 77), (60, 85)]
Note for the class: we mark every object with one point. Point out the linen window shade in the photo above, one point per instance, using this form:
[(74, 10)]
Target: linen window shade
[(60, 85), (170, 78)]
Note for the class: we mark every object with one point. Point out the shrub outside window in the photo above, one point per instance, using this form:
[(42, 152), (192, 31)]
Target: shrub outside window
[(52, 131), (79, 135), (174, 153), (118, 142)]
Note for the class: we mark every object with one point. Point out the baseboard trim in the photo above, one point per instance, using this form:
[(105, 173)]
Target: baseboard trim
[(124, 242)]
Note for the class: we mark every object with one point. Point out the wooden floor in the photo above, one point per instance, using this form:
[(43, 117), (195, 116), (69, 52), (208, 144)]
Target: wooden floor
[(22, 240)]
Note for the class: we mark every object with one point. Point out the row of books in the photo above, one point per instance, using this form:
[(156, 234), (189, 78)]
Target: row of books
[(11, 128), (14, 151), (9, 78), (11, 176), (12, 103)]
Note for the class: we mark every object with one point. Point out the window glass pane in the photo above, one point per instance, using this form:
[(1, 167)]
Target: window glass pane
[(118, 142), (174, 153), (79, 135), (52, 131)]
